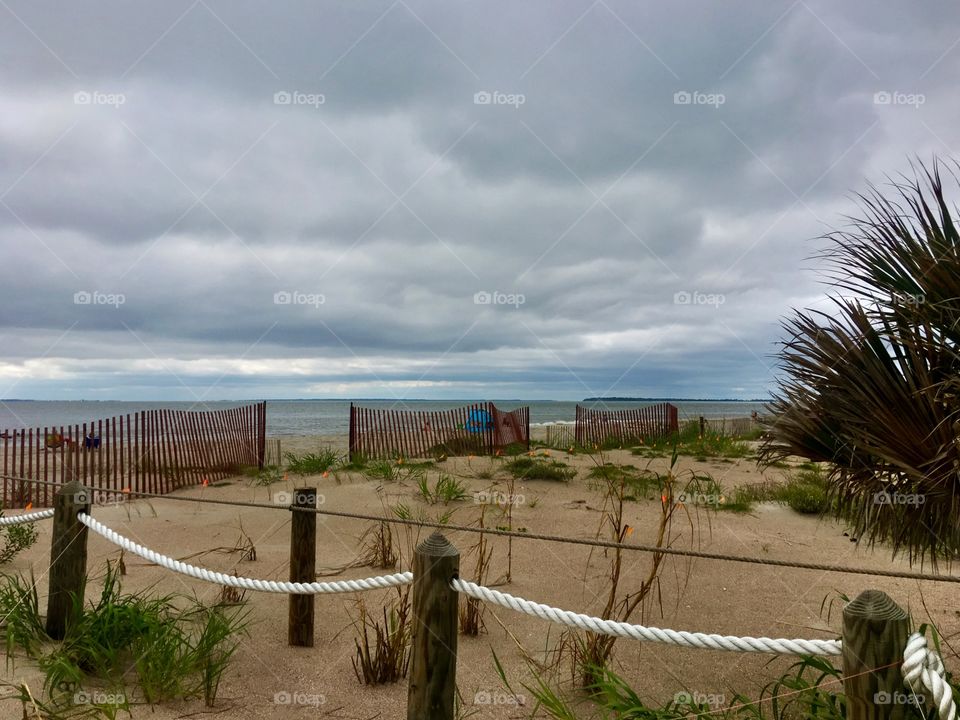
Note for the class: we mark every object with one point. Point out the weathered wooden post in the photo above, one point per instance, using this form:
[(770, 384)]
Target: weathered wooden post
[(303, 566), (433, 664), (68, 556), (875, 631), (352, 441), (703, 425)]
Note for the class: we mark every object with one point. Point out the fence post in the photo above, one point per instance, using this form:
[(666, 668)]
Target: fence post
[(703, 425), (68, 556), (433, 664), (303, 566), (353, 435), (875, 631)]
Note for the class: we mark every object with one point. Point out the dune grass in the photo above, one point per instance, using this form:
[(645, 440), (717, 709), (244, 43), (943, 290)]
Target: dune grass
[(313, 463), (137, 647)]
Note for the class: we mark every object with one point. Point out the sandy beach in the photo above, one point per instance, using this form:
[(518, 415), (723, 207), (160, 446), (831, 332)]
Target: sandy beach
[(700, 595)]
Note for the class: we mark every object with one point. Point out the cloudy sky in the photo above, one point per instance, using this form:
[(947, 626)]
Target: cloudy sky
[(228, 200)]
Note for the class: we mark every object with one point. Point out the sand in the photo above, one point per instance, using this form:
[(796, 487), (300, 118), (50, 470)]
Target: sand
[(698, 595)]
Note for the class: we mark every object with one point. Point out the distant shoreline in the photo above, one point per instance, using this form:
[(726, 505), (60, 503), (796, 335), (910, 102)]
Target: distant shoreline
[(689, 400)]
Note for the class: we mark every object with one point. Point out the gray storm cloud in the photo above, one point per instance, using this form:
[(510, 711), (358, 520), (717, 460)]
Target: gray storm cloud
[(308, 199)]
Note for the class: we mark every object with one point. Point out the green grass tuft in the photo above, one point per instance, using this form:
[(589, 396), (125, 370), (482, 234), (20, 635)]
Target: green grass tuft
[(528, 468), (313, 463)]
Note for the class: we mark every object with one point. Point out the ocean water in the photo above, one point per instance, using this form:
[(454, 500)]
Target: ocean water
[(331, 417)]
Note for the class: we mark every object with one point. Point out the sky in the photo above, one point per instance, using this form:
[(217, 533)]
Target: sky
[(227, 200)]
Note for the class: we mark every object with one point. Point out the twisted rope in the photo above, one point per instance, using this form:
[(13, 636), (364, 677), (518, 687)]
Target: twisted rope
[(639, 632), (923, 669), (289, 588), (589, 542), (26, 517)]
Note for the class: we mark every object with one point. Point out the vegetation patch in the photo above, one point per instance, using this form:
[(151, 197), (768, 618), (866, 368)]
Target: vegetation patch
[(529, 468), (316, 463), (16, 538), (446, 489), (124, 648)]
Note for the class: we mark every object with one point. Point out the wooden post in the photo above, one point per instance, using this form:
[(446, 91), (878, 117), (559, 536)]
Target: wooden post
[(875, 631), (703, 425), (352, 441), (68, 556), (303, 566), (433, 664)]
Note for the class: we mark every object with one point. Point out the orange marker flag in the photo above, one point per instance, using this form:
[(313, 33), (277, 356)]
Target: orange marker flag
[(29, 506)]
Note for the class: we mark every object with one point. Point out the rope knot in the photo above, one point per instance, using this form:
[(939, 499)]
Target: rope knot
[(923, 672)]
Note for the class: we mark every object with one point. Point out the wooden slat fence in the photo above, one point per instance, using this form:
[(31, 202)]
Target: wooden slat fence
[(730, 427), (595, 427), (479, 429), (153, 451)]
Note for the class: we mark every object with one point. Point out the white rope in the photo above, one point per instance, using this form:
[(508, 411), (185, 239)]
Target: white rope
[(292, 588), (639, 632), (26, 517), (923, 669)]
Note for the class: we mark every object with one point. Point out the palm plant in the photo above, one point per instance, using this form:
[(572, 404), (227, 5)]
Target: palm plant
[(872, 385)]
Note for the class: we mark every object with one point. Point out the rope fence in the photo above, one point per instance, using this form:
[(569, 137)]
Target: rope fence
[(589, 542), (25, 518), (600, 626), (873, 624), (243, 583)]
